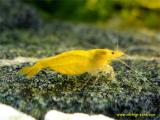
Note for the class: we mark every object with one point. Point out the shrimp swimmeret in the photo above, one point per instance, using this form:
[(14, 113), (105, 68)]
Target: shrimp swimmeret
[(75, 62)]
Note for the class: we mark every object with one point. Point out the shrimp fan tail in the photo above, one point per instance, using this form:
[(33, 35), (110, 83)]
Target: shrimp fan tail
[(31, 71)]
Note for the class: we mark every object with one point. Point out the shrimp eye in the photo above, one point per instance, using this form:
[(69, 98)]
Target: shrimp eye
[(112, 52)]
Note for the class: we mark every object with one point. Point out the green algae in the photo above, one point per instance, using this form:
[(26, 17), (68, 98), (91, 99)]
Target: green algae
[(129, 93)]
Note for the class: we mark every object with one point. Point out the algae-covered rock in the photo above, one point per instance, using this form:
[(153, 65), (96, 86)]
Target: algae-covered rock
[(135, 91)]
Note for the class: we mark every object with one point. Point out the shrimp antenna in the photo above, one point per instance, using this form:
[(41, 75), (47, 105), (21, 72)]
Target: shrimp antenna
[(124, 63), (117, 44)]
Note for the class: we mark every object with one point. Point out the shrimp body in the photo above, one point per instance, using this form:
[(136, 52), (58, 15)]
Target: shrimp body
[(70, 63), (74, 62)]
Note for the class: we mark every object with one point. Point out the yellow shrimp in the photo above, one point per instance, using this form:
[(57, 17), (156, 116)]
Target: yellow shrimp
[(75, 62)]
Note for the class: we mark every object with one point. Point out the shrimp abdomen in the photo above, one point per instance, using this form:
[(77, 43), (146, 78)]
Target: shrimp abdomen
[(30, 71)]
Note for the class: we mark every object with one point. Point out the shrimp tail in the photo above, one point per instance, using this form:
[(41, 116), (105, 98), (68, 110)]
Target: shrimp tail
[(30, 71)]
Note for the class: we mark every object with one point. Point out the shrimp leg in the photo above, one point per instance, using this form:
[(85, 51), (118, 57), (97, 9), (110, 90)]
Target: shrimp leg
[(108, 69)]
